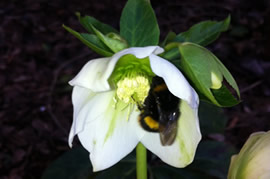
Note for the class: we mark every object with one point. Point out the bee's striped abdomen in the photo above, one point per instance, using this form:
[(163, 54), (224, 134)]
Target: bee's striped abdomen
[(148, 123)]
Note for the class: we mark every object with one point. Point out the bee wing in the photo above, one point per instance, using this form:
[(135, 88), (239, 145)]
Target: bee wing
[(168, 133)]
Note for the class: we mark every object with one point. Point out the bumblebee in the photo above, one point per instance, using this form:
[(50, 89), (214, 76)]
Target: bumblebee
[(160, 112)]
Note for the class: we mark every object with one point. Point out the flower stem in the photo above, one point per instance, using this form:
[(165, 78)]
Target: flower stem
[(141, 161)]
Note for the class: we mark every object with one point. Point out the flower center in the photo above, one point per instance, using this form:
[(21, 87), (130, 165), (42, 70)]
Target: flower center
[(131, 78), (133, 89)]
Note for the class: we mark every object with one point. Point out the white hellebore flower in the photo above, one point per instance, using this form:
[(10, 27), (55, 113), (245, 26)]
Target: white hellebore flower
[(253, 161), (105, 95)]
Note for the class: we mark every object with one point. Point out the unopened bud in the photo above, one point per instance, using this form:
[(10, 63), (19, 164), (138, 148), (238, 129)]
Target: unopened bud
[(253, 161)]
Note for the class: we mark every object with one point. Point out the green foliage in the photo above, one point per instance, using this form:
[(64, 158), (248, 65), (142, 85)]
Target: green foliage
[(211, 162), (212, 119), (169, 38), (92, 41), (74, 164), (213, 158), (103, 38), (165, 172), (171, 54), (115, 44), (224, 96), (88, 22), (138, 24), (204, 32), (199, 65)]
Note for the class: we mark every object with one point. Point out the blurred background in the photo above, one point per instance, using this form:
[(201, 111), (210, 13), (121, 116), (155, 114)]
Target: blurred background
[(38, 58)]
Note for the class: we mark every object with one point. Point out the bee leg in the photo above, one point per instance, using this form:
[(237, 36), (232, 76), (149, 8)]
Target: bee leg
[(140, 106)]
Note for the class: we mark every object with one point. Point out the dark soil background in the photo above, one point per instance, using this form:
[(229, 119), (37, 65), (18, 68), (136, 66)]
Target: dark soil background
[(38, 57)]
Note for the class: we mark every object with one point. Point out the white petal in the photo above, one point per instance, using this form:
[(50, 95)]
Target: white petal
[(95, 74), (175, 80), (142, 52), (266, 175), (107, 134), (182, 151), (80, 96), (91, 75)]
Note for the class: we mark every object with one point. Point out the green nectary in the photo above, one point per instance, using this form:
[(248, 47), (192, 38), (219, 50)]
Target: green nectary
[(132, 78)]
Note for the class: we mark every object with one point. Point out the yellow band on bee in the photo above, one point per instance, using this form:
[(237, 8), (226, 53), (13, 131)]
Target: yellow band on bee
[(151, 123), (160, 87)]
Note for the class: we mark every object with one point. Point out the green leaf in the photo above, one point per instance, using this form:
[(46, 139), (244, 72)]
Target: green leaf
[(165, 172), (196, 65), (212, 119), (74, 164), (204, 32), (169, 38), (87, 21), (114, 42), (213, 158), (138, 24), (224, 96), (92, 41), (199, 64), (172, 54)]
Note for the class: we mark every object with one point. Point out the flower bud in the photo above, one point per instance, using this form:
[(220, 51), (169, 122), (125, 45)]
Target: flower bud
[(253, 161), (216, 81)]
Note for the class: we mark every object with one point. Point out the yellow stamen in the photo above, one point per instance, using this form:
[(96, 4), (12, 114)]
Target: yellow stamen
[(133, 90)]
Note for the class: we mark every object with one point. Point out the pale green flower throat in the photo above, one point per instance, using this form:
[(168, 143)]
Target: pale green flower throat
[(132, 78)]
